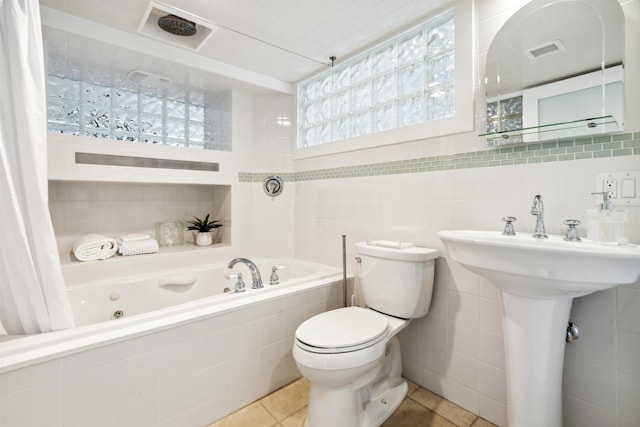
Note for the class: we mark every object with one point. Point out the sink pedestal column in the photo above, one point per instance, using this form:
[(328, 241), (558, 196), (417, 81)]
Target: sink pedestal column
[(534, 336)]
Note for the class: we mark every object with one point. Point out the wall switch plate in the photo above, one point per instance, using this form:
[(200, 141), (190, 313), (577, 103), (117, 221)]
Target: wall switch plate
[(621, 186)]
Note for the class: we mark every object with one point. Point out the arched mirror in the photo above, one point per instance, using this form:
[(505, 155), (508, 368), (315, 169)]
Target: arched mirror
[(554, 70)]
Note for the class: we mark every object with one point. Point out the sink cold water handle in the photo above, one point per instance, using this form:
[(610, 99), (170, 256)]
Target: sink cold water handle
[(572, 233)]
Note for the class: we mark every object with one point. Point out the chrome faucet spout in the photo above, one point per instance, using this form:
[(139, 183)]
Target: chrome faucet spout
[(255, 273), (537, 209)]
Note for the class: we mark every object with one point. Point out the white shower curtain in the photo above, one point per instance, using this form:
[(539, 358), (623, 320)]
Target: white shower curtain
[(32, 293)]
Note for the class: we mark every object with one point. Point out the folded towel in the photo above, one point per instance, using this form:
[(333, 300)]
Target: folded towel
[(390, 244), (137, 247), (94, 246), (134, 237)]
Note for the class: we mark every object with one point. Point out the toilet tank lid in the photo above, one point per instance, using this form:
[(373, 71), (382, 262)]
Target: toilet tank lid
[(399, 252)]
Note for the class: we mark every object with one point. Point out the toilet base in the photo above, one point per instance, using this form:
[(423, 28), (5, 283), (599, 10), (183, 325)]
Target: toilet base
[(381, 407), (366, 403)]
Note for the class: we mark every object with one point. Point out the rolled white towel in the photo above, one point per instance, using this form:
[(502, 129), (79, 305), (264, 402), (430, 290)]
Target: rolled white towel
[(132, 246), (93, 247)]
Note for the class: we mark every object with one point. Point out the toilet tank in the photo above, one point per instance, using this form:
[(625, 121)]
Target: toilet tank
[(396, 279)]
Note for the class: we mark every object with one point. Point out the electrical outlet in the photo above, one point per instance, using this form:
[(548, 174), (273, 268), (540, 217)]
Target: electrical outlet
[(622, 187), (610, 186)]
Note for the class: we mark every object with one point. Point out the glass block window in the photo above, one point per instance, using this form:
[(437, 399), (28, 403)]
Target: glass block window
[(505, 115), (404, 81), (82, 108)]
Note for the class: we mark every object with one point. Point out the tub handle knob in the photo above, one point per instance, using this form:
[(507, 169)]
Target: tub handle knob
[(274, 279), (240, 286)]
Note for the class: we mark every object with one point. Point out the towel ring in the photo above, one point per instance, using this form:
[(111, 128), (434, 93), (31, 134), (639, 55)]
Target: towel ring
[(273, 185)]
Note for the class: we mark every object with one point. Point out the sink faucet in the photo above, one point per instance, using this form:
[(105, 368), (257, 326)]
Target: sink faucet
[(537, 208), (255, 273)]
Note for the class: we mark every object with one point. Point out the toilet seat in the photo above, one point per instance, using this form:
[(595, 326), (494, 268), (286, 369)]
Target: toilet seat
[(343, 330)]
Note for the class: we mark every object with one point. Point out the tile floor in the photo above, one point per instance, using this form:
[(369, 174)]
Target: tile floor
[(287, 407)]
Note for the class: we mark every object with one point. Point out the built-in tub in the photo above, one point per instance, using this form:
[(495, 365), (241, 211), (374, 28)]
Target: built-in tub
[(110, 299), (183, 352)]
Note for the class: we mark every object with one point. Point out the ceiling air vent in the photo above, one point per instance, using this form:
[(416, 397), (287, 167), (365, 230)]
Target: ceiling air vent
[(169, 24), (545, 49)]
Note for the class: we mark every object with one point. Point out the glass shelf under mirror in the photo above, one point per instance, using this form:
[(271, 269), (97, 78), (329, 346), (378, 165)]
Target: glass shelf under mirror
[(569, 129)]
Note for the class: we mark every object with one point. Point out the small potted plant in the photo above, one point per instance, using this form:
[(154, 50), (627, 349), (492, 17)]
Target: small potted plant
[(203, 236)]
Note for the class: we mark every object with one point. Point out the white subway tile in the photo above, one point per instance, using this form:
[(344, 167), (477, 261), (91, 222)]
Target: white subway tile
[(578, 413), (464, 339), (30, 376), (463, 370), (136, 375), (490, 315), (590, 383), (629, 353), (628, 315), (139, 409), (434, 357), (492, 349), (103, 416), (33, 406), (492, 410), (493, 383), (463, 308), (87, 391), (628, 393)]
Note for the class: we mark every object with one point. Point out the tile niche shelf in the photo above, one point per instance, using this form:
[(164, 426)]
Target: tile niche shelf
[(589, 126)]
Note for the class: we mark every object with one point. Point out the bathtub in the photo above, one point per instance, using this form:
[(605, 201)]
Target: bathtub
[(171, 348)]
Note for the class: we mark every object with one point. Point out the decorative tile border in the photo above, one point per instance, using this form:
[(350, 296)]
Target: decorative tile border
[(626, 144)]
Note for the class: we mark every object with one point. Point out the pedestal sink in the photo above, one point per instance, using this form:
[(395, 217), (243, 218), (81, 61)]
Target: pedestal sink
[(537, 281)]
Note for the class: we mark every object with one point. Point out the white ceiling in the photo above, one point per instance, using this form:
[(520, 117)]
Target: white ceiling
[(262, 43)]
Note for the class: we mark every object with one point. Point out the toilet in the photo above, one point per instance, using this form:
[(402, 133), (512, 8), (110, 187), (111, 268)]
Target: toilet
[(351, 356)]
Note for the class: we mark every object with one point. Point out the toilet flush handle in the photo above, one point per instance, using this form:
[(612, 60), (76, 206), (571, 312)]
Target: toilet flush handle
[(359, 260)]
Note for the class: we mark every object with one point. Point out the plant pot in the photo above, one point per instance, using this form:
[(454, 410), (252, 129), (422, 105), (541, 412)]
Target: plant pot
[(203, 238)]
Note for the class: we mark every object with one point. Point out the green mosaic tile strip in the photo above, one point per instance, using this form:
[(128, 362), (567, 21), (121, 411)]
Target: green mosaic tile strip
[(627, 144)]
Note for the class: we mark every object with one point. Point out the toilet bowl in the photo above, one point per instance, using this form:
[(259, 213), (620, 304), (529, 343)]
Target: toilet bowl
[(351, 356)]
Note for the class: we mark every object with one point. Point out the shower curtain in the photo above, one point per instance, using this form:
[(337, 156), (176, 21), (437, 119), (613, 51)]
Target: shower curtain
[(32, 293)]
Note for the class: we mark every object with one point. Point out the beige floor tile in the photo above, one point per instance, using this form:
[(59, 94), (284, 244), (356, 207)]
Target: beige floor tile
[(412, 386), (454, 413), (481, 422), (287, 400), (411, 413), (295, 420), (254, 415)]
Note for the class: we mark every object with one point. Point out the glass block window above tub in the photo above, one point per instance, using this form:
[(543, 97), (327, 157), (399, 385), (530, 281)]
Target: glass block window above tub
[(83, 108), (404, 81)]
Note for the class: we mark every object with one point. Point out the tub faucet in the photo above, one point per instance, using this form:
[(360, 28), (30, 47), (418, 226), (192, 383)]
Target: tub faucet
[(255, 273), (537, 208)]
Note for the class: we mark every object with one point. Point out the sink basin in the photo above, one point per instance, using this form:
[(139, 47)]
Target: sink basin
[(537, 281), (543, 268)]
